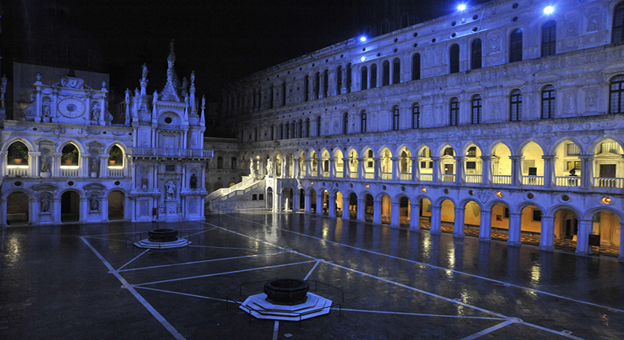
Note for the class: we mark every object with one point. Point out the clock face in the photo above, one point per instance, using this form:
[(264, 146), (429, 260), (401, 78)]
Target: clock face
[(71, 108)]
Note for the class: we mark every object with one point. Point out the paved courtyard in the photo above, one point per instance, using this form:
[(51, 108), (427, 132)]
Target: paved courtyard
[(89, 282)]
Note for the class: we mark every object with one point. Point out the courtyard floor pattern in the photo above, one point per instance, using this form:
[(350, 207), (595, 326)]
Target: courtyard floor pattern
[(89, 282)]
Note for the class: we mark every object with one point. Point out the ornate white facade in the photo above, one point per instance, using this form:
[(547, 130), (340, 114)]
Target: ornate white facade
[(67, 162), (501, 121)]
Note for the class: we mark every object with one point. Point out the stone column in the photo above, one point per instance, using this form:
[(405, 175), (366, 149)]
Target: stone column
[(84, 209), (345, 207), (307, 204), (436, 219), (516, 171), (377, 212), (361, 169), (377, 173), (361, 209), (415, 214), (586, 165), (458, 229), (547, 233), (331, 167), (33, 161), (435, 178), (395, 213), (346, 168), (415, 170), (582, 238), (621, 256), (296, 171), (295, 198), (331, 205), (459, 171), (549, 173), (515, 220), (486, 225), (486, 172), (55, 167), (396, 171), (319, 203)]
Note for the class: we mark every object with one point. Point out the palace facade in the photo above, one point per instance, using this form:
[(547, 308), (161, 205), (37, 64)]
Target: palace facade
[(502, 121)]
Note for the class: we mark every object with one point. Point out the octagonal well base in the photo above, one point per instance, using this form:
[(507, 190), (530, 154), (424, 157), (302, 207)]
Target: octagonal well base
[(258, 306)]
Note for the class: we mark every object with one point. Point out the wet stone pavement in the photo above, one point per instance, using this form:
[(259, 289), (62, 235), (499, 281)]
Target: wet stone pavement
[(90, 282)]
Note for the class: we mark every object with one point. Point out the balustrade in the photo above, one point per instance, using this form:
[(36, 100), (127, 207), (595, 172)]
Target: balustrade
[(533, 180), (568, 181), (608, 182), (473, 179), (501, 179)]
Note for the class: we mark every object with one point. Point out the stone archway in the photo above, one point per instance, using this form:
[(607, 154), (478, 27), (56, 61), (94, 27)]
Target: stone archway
[(116, 205), (70, 207), (17, 208)]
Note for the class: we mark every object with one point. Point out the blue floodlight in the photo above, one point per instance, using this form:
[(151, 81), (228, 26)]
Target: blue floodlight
[(549, 9), (461, 7), (363, 38), (363, 58)]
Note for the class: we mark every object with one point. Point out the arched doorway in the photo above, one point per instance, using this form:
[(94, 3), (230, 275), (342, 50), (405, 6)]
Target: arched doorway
[(531, 225), (312, 199), (325, 202), (447, 216), (70, 207), (386, 209), (605, 233), (369, 208), (287, 197), (425, 213), (472, 219), (116, 205), (338, 203), (353, 206), (269, 200), (17, 208), (404, 211), (301, 199), (500, 222)]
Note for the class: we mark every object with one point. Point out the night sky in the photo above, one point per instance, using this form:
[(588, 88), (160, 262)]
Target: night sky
[(221, 40)]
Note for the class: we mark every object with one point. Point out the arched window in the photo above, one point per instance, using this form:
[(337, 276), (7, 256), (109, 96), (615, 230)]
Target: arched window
[(272, 132), (396, 71), (307, 127), (618, 24), (515, 106), (475, 118), (363, 122), (325, 83), (115, 156), (385, 77), (415, 116), (233, 163), (548, 102), (318, 126), (348, 78), (306, 81), (416, 66), (219, 162), (317, 84), (475, 54), (549, 38), (300, 129), (373, 77), (17, 154), (616, 95), (345, 123), (284, 94), (339, 79), (454, 59), (454, 111), (515, 46), (364, 80), (69, 155), (395, 117)]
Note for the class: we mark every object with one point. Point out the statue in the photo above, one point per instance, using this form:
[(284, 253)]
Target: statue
[(94, 166), (252, 169), (269, 167), (45, 203), (109, 118), (171, 190), (94, 204), (95, 112), (193, 181), (45, 162), (144, 182), (144, 67), (46, 109), (155, 98)]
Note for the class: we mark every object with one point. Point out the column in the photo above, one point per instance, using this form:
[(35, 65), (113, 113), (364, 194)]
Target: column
[(396, 171), (436, 169), (377, 169), (295, 198), (361, 169), (435, 219), (346, 168), (547, 233), (331, 167), (361, 209), (278, 202), (549, 173), (307, 203), (621, 256), (319, 203), (33, 161), (586, 178), (331, 205), (486, 225), (321, 84), (458, 229), (516, 171), (296, 172), (582, 238), (308, 163), (415, 170), (415, 214), (84, 209), (55, 167), (345, 207), (515, 224), (486, 171), (395, 213), (459, 171), (377, 211)]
